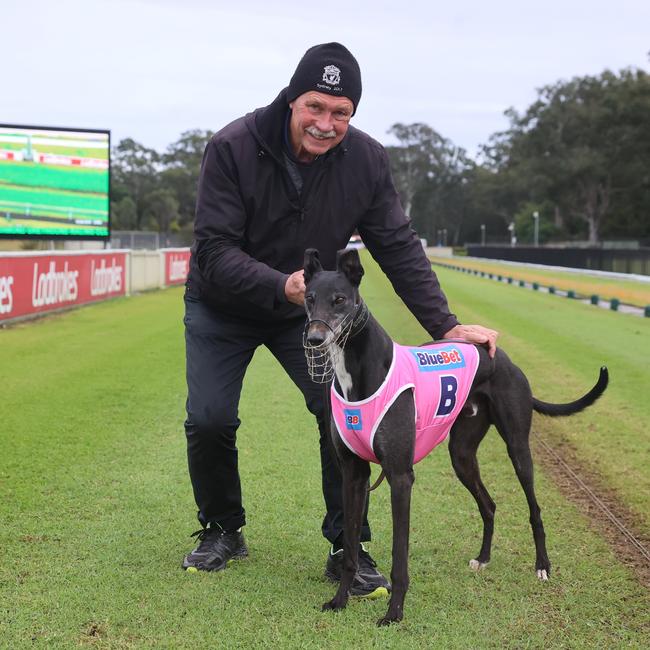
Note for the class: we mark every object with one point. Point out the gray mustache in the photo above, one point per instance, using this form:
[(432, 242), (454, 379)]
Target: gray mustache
[(317, 133)]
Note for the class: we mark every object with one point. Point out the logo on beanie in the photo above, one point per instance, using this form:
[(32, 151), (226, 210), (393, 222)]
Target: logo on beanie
[(331, 75)]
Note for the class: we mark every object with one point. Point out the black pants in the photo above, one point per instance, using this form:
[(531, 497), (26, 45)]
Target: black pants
[(218, 351)]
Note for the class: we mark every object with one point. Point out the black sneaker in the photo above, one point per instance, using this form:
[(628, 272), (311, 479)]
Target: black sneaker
[(215, 550), (367, 583)]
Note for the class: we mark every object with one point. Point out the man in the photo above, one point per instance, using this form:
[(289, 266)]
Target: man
[(284, 178)]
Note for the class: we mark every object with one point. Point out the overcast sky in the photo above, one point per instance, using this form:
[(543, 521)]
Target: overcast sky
[(150, 69)]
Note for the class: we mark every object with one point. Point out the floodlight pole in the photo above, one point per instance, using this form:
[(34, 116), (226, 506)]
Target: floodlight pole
[(482, 234), (513, 237), (536, 236)]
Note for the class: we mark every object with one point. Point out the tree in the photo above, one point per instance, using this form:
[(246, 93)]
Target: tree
[(124, 214), (182, 164), (525, 223), (161, 209), (412, 159), (490, 204), (150, 190), (431, 175), (585, 145), (134, 174)]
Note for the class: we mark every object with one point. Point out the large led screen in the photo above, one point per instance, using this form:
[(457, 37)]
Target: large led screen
[(54, 183)]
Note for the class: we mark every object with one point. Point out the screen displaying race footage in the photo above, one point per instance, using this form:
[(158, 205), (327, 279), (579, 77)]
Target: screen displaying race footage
[(54, 183)]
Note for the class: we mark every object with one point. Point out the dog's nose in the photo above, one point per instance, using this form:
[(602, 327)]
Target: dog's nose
[(315, 338)]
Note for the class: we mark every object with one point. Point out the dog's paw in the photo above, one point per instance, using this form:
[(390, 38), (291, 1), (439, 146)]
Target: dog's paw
[(543, 569), (333, 605), (388, 620), (475, 565)]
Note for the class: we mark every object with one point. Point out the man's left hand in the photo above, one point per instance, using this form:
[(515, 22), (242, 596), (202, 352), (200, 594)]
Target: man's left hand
[(475, 334)]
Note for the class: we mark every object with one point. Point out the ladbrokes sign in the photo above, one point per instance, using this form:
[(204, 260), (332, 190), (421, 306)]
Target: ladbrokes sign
[(30, 284), (177, 265)]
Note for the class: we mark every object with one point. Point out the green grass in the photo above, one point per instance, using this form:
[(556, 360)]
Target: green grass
[(55, 203), (55, 177), (560, 345), (96, 509), (633, 292)]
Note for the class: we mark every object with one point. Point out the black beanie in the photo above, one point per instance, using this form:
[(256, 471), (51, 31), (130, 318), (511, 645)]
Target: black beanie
[(329, 68)]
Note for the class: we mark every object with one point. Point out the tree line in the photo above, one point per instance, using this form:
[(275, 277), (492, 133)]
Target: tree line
[(578, 158), (156, 191)]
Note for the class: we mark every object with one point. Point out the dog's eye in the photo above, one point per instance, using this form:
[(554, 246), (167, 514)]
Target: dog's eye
[(339, 300)]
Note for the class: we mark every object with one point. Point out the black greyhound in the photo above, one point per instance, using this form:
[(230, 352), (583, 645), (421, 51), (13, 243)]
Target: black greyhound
[(359, 353)]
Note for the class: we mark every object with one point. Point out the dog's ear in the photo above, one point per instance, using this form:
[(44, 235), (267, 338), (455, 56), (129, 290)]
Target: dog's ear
[(311, 264), (348, 263)]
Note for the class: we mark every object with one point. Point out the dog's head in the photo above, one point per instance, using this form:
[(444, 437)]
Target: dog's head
[(331, 297)]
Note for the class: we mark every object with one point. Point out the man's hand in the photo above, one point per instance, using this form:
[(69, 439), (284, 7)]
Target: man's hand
[(475, 334), (294, 289)]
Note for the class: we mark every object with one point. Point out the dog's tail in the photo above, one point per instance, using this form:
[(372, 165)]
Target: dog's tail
[(574, 407)]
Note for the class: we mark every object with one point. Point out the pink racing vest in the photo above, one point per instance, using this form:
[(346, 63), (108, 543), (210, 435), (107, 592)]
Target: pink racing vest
[(440, 376)]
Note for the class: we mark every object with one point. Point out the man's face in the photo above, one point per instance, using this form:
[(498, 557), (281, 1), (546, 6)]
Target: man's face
[(318, 123)]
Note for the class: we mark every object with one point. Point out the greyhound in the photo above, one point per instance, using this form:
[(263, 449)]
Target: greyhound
[(346, 346)]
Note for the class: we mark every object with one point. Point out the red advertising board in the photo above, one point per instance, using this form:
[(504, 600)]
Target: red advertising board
[(35, 283), (177, 265)]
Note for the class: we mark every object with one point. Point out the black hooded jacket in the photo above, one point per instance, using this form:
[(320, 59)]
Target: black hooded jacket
[(252, 226)]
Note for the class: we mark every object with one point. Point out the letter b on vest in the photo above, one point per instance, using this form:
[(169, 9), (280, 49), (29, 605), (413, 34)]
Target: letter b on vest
[(448, 390)]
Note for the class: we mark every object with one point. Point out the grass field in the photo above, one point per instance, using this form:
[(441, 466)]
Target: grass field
[(561, 344), (97, 509), (49, 199), (627, 291), (54, 177), (53, 203)]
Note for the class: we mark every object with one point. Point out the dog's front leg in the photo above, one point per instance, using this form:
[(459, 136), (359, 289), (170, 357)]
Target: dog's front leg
[(355, 474), (400, 496)]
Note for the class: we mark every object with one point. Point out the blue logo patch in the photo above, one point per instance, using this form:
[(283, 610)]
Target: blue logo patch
[(352, 419), (437, 358)]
